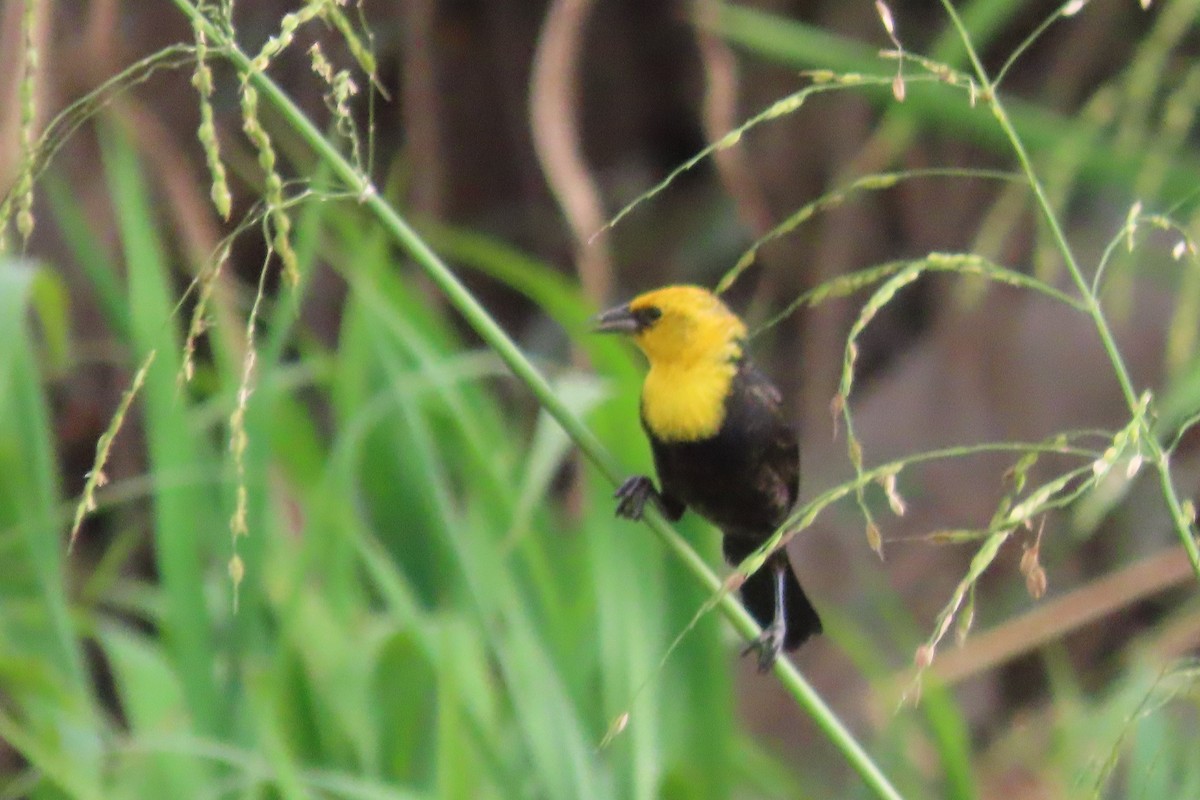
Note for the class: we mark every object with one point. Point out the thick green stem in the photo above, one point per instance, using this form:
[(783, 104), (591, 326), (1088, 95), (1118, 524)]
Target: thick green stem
[(498, 340)]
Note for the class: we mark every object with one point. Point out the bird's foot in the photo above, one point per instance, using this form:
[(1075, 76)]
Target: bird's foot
[(632, 496), (768, 645)]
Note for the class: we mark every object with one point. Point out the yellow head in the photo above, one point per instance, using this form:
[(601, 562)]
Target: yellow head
[(678, 325), (693, 342)]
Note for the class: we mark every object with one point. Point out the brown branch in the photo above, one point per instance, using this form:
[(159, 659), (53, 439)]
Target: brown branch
[(721, 116), (422, 109), (1061, 616), (554, 116)]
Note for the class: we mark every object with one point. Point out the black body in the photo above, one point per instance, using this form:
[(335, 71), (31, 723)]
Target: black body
[(744, 480)]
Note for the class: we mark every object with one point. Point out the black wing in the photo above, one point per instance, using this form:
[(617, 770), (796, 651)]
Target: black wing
[(780, 472)]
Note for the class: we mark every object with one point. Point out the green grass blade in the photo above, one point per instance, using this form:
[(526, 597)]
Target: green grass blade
[(184, 523), (49, 716)]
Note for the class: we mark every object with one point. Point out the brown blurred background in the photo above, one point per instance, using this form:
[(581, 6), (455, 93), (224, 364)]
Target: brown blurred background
[(644, 88)]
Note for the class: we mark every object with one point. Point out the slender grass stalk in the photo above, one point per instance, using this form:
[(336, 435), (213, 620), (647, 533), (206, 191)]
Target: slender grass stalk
[(1158, 456), (523, 369), (181, 512), (801, 46)]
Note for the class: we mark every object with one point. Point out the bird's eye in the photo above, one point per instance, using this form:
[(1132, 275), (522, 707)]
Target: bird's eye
[(647, 316)]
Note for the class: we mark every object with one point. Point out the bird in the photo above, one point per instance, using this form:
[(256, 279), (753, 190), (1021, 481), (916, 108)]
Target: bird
[(721, 446)]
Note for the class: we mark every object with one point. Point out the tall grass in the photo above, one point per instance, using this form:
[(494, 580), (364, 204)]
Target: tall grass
[(362, 584)]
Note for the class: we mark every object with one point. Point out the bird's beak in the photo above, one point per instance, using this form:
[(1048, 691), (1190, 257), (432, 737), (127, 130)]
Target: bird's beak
[(616, 320)]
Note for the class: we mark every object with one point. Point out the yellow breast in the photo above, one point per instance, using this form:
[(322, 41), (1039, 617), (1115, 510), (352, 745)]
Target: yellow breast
[(683, 403), (693, 343)]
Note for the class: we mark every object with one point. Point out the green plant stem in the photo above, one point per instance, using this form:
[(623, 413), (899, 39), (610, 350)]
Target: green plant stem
[(511, 354), (1183, 525)]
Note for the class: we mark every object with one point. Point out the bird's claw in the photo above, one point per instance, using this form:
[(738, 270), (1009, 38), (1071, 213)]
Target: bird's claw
[(768, 645), (632, 496)]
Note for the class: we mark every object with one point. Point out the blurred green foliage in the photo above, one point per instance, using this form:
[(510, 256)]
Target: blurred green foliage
[(421, 613)]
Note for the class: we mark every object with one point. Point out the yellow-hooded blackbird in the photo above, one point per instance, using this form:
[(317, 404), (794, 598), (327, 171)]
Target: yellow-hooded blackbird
[(721, 445)]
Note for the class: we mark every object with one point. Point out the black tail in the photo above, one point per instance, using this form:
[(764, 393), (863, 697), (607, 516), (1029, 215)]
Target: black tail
[(758, 592)]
